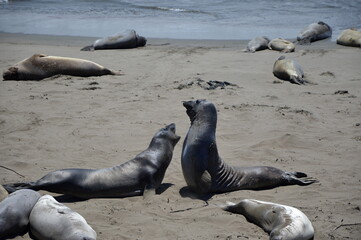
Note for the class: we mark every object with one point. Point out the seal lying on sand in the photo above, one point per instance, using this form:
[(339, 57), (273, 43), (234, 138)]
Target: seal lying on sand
[(41, 66), (289, 70), (281, 45), (15, 211), (350, 37), (314, 32), (205, 171), (144, 172), (279, 221), (257, 44), (50, 219), (127, 39)]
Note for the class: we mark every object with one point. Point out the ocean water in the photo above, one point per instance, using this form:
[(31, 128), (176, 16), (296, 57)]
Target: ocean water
[(182, 19)]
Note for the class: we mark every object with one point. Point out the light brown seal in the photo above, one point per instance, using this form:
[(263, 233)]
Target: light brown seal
[(289, 70), (350, 37), (282, 45), (41, 66)]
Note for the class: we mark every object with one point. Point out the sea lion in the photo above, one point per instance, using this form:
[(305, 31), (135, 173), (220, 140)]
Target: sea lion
[(50, 219), (3, 193), (41, 66), (125, 40), (282, 45), (350, 37), (257, 44), (145, 172), (289, 70), (314, 32), (279, 221), (15, 211), (205, 171)]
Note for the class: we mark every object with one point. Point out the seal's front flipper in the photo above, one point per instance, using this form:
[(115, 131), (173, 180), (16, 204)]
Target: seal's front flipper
[(148, 192)]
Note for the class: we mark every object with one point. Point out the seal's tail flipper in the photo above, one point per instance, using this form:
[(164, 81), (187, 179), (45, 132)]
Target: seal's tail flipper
[(12, 187), (299, 81), (300, 178), (87, 48)]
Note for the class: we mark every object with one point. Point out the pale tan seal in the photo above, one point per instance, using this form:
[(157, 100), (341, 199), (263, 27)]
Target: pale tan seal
[(281, 222), (50, 219), (350, 37), (282, 45), (289, 70), (314, 32), (41, 66), (257, 44)]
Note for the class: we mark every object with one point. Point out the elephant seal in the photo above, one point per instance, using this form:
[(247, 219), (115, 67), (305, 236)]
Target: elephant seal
[(350, 37), (257, 44), (279, 221), (289, 70), (41, 66), (205, 171), (50, 219), (282, 45), (314, 32), (15, 211), (3, 193), (125, 40), (145, 172)]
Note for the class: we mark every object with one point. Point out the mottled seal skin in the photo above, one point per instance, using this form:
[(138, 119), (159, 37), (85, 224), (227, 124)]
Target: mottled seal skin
[(125, 40), (41, 66), (349, 37), (257, 44), (281, 222), (314, 32), (15, 211), (282, 45), (144, 172), (205, 171), (289, 70), (50, 219)]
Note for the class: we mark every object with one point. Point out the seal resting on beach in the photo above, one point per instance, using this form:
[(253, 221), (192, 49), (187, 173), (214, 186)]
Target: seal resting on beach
[(205, 171), (282, 45), (125, 40), (142, 174), (289, 70), (350, 37), (15, 211), (41, 66), (314, 32), (50, 219), (257, 44), (279, 221)]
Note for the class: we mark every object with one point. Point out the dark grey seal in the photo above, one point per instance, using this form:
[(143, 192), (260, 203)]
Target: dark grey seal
[(314, 32), (127, 39), (15, 211), (205, 171), (144, 172)]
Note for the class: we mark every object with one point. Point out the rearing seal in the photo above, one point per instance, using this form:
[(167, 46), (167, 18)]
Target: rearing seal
[(205, 171)]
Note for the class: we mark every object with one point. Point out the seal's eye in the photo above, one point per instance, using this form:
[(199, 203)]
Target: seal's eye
[(198, 101)]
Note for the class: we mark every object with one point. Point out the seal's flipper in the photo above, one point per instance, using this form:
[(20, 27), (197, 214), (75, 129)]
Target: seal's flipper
[(88, 48), (148, 192), (299, 178), (297, 80), (12, 187)]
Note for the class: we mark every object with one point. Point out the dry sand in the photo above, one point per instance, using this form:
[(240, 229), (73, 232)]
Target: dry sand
[(61, 123)]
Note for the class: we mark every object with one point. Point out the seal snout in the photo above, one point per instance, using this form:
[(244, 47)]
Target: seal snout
[(171, 127)]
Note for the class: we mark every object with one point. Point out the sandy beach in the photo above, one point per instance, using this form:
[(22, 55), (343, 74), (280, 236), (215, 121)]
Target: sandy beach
[(97, 122)]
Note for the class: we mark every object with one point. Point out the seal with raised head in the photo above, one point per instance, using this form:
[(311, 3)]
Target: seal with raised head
[(282, 45), (350, 37), (41, 66), (145, 172), (15, 211), (257, 44), (314, 32), (289, 70), (127, 39), (50, 219), (205, 171), (279, 221)]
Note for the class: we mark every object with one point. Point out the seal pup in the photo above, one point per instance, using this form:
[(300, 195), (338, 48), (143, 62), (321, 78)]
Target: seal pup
[(279, 221), (257, 44), (314, 32), (350, 37), (125, 40), (289, 70), (41, 66), (282, 45), (145, 172), (15, 211), (50, 219), (205, 171)]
